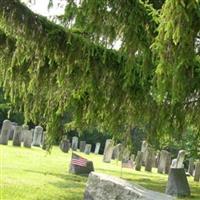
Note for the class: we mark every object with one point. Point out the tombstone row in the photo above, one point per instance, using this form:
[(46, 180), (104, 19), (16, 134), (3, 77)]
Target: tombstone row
[(21, 134)]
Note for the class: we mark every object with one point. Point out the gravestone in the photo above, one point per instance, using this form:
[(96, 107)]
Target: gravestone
[(44, 140), (97, 148), (37, 136), (144, 151), (17, 136), (27, 138), (132, 157), (191, 166), (105, 187), (108, 151), (138, 161), (125, 153), (24, 128), (116, 151), (150, 159), (164, 162), (82, 146), (65, 144), (88, 148), (5, 132), (180, 159), (74, 143), (197, 172), (11, 130), (177, 184), (157, 159)]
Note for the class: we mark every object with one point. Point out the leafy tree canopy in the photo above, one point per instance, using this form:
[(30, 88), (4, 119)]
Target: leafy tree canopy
[(153, 79)]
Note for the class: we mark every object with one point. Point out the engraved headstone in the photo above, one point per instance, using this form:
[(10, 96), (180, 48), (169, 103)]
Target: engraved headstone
[(108, 151), (17, 136), (65, 144), (97, 148), (150, 159), (5, 132), (138, 161), (37, 137), (27, 138), (74, 143), (164, 162), (82, 146), (88, 149)]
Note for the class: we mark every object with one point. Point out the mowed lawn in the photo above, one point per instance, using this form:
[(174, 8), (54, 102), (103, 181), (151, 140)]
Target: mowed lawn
[(34, 174)]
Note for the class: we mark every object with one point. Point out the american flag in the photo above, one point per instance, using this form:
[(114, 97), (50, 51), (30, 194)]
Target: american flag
[(78, 160), (127, 164)]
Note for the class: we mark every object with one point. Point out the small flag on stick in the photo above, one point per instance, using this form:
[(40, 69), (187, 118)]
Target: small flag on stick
[(78, 160)]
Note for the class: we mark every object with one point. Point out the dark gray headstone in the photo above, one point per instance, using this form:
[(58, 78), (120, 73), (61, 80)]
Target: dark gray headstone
[(27, 138), (138, 161), (150, 159), (177, 183), (17, 138), (65, 145), (82, 146)]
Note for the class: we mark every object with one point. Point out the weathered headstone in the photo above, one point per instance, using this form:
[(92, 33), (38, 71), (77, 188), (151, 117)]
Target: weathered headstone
[(5, 132), (17, 136), (24, 129), (87, 149), (191, 166), (150, 159), (197, 172), (116, 151), (108, 151), (27, 138), (138, 161), (105, 187), (144, 151), (180, 159), (132, 157), (37, 137), (97, 148), (74, 143), (82, 146), (164, 162), (65, 144), (177, 184), (11, 130)]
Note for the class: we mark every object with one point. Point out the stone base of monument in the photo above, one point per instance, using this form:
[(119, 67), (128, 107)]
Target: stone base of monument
[(80, 170), (177, 183), (104, 187)]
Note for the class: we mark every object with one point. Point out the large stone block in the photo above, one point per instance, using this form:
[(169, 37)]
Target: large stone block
[(177, 183), (104, 187)]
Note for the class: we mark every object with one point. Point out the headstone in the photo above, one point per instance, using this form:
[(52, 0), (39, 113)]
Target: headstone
[(97, 148), (138, 161), (37, 137), (74, 143), (164, 162), (44, 140), (177, 183), (197, 172), (108, 151), (191, 166), (65, 144), (125, 154), (180, 159), (117, 152), (150, 158), (27, 138), (24, 128), (11, 130), (88, 149), (144, 151), (132, 157), (17, 136), (5, 132), (81, 170), (105, 187), (157, 159), (82, 146)]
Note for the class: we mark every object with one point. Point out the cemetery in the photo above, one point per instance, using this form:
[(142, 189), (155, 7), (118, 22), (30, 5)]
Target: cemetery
[(99, 100)]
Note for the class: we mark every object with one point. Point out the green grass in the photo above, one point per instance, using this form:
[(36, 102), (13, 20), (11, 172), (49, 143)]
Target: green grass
[(33, 174)]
